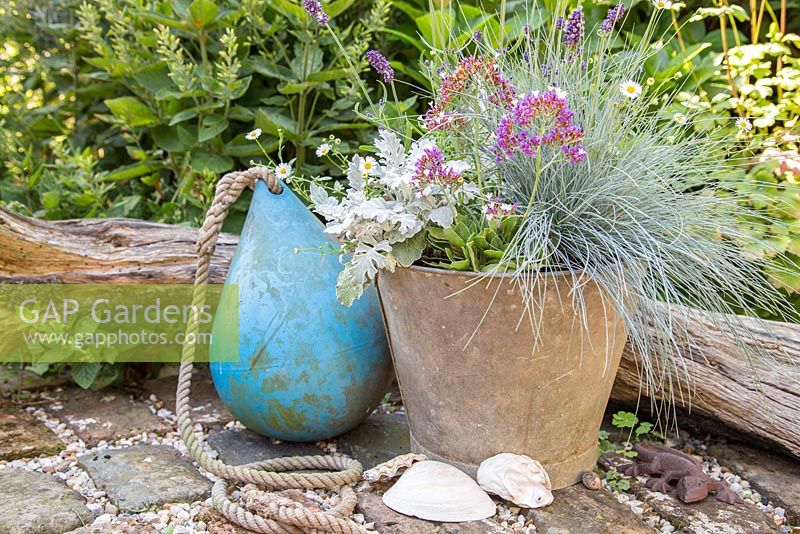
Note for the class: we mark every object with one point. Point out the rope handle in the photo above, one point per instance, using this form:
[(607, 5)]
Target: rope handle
[(274, 514)]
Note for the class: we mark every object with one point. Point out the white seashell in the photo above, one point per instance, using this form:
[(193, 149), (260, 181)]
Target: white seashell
[(392, 468), (436, 491), (516, 478)]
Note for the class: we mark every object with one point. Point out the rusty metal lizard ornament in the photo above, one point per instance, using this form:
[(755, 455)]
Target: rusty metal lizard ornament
[(693, 484)]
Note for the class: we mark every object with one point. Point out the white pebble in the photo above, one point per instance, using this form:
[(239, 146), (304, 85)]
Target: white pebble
[(104, 519)]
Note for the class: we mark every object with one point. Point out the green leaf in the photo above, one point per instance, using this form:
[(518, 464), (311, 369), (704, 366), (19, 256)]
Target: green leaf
[(410, 250), (269, 68), (212, 126), (50, 199), (271, 120), (158, 18), (241, 147), (84, 373), (154, 78), (329, 74), (205, 161), (436, 27), (624, 420), (134, 170), (241, 114), (167, 138), (289, 9), (124, 206), (295, 88), (203, 12), (336, 8), (184, 115), (132, 111)]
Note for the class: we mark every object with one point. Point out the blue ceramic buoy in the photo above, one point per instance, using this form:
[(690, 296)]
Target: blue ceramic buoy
[(309, 368)]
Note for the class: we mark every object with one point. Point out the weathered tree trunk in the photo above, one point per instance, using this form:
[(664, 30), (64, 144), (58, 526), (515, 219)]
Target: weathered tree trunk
[(759, 396), (102, 251), (129, 251)]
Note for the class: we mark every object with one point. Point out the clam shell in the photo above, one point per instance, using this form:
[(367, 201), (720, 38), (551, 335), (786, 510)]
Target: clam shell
[(392, 468), (436, 491), (516, 478)]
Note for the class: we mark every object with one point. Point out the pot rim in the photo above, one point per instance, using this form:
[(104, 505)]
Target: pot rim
[(439, 270)]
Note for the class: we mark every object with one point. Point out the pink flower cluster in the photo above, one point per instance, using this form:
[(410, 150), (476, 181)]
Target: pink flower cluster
[(550, 118), (497, 207), (431, 170), (481, 67)]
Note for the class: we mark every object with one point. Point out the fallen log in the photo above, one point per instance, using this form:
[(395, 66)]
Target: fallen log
[(87, 251), (759, 397)]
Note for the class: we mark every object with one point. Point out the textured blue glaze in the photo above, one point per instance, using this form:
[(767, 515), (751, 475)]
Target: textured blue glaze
[(309, 368)]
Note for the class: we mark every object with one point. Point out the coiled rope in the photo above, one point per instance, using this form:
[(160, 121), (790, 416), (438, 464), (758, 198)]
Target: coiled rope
[(260, 511)]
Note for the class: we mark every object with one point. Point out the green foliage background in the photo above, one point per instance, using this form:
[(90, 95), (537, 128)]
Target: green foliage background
[(134, 108)]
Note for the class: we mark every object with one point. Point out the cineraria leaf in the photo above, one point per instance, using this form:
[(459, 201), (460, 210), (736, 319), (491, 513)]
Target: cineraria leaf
[(354, 177), (391, 152), (367, 259), (347, 288), (319, 197), (409, 251), (442, 216)]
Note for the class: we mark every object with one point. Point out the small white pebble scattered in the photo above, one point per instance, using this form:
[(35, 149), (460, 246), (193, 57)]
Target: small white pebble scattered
[(104, 519)]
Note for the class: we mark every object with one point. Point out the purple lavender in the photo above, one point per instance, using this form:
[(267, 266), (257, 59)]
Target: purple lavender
[(614, 15), (314, 8), (573, 29), (477, 36), (381, 65), (560, 23)]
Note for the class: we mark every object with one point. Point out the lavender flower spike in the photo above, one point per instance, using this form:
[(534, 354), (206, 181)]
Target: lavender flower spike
[(314, 8), (614, 15), (573, 28), (381, 65)]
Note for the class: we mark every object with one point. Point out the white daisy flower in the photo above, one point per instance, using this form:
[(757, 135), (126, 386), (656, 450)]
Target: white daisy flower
[(743, 124), (662, 4), (630, 89), (680, 118), (323, 150), (369, 165), (253, 135), (283, 171)]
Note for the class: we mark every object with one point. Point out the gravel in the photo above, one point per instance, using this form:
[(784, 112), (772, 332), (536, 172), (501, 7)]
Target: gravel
[(191, 518)]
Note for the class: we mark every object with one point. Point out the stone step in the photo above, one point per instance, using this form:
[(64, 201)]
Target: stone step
[(136, 478), (36, 503)]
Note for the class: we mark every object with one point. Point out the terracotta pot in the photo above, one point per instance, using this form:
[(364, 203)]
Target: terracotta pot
[(503, 391)]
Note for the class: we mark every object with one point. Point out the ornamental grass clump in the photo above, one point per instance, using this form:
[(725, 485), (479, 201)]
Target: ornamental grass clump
[(547, 153)]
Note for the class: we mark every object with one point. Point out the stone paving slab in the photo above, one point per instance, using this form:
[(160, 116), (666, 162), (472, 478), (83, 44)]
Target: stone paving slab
[(36, 503), (378, 439), (708, 517), (577, 509), (237, 447), (105, 415), (23, 436), (142, 476), (773, 475), (207, 408)]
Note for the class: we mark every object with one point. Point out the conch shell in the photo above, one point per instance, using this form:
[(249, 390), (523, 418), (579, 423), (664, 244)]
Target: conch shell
[(392, 468), (436, 491), (516, 478)]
